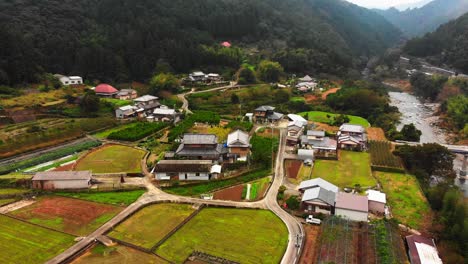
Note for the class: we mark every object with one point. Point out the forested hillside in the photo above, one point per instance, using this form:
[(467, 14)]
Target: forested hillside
[(448, 45), (418, 21), (121, 40)]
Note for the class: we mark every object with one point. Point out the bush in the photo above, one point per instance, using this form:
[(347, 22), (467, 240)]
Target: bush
[(293, 202), (137, 131), (234, 125)]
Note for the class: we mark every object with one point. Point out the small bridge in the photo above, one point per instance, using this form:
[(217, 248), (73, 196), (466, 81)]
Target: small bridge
[(457, 149)]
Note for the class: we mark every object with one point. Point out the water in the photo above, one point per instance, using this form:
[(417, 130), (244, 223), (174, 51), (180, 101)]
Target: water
[(422, 116)]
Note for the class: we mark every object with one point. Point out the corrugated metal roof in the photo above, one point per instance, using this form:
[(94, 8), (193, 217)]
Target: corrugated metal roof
[(352, 128), (318, 182), (62, 175), (352, 202), (320, 194), (376, 196)]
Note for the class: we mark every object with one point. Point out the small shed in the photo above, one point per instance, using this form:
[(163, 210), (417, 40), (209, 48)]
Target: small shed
[(351, 206), (305, 154), (377, 201), (51, 180)]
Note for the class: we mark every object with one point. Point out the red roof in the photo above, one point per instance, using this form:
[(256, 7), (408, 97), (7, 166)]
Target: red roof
[(226, 44), (105, 89)]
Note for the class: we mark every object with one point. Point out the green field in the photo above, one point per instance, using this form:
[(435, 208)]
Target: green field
[(351, 168), (242, 235), (115, 198), (112, 159), (25, 243), (408, 203), (105, 133), (149, 225), (322, 117), (6, 201), (116, 102), (12, 191), (101, 254), (257, 188)]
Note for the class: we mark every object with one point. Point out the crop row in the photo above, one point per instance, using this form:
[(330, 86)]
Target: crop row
[(137, 131), (382, 156), (187, 123), (46, 157)]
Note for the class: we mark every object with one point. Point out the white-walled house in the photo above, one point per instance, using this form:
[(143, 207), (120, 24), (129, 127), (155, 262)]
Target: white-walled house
[(126, 111), (186, 170), (69, 80), (377, 201)]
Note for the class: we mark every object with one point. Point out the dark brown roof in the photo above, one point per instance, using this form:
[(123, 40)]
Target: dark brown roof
[(183, 166), (413, 251), (62, 175)]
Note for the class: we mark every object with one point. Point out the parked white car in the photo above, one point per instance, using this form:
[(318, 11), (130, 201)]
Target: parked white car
[(311, 220)]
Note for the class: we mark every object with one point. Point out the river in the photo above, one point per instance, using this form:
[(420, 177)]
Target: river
[(422, 116)]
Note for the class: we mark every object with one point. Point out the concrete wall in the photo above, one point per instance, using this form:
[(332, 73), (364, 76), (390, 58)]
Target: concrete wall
[(193, 177), (376, 207), (351, 215), (61, 184)]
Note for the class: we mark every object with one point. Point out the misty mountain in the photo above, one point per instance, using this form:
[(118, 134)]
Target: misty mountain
[(418, 21)]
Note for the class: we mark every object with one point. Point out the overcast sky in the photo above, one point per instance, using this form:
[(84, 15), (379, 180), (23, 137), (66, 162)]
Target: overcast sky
[(382, 3)]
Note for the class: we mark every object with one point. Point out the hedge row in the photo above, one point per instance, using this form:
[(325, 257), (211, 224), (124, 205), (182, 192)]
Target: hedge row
[(46, 157), (137, 131)]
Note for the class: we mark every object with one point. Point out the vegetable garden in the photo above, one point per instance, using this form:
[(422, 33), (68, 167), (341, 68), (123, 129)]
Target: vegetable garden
[(382, 158), (137, 131), (187, 123)]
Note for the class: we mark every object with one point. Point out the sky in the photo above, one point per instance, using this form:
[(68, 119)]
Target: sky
[(382, 3)]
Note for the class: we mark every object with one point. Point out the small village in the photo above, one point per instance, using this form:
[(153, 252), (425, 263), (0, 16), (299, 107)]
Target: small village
[(330, 180)]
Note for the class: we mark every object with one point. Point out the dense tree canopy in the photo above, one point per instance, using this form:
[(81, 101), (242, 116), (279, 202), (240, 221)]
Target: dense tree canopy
[(427, 86), (269, 71), (121, 40), (164, 82), (457, 109)]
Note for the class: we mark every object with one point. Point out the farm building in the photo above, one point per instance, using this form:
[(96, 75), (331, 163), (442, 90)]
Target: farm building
[(126, 111), (186, 170), (202, 147), (422, 250), (318, 200), (165, 114), (295, 130), (127, 94), (323, 146), (351, 206), (69, 80), (238, 143), (147, 103), (52, 180), (105, 90), (352, 137), (317, 182), (377, 201)]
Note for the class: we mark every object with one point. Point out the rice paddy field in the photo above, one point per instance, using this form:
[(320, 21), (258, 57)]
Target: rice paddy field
[(241, 235), (22, 242), (100, 254)]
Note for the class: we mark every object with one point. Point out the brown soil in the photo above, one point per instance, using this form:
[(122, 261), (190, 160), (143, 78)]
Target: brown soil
[(74, 213), (309, 254), (403, 85), (326, 127), (292, 168), (376, 133), (267, 133), (231, 194), (331, 91), (310, 98)]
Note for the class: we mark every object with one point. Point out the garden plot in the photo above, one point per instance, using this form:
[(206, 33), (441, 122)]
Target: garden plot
[(241, 235), (382, 157), (22, 242), (68, 215), (149, 225), (251, 191), (100, 254), (112, 159), (352, 168)]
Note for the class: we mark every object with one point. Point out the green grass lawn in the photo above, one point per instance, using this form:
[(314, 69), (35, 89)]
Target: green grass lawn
[(321, 117), (257, 188), (101, 254), (194, 190), (242, 235), (112, 158), (6, 201), (408, 203), (351, 168), (115, 198), (149, 225), (12, 191), (117, 102), (21, 242), (297, 99)]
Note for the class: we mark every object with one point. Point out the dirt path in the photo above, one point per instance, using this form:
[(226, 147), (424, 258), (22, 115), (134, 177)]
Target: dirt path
[(331, 91), (15, 206)]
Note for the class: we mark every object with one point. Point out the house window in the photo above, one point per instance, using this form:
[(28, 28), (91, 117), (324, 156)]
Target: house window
[(66, 82), (197, 174)]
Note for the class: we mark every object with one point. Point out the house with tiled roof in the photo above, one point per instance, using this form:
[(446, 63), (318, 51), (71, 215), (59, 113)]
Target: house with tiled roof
[(201, 147), (238, 143)]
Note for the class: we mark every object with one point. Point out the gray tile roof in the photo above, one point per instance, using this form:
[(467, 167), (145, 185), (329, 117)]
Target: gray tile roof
[(325, 143), (320, 194), (177, 166), (352, 128), (238, 138), (191, 152), (316, 133), (62, 175), (265, 108), (200, 139), (318, 182), (275, 116)]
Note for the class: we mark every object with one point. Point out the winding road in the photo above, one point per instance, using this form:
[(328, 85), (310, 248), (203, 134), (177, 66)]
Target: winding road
[(156, 195)]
